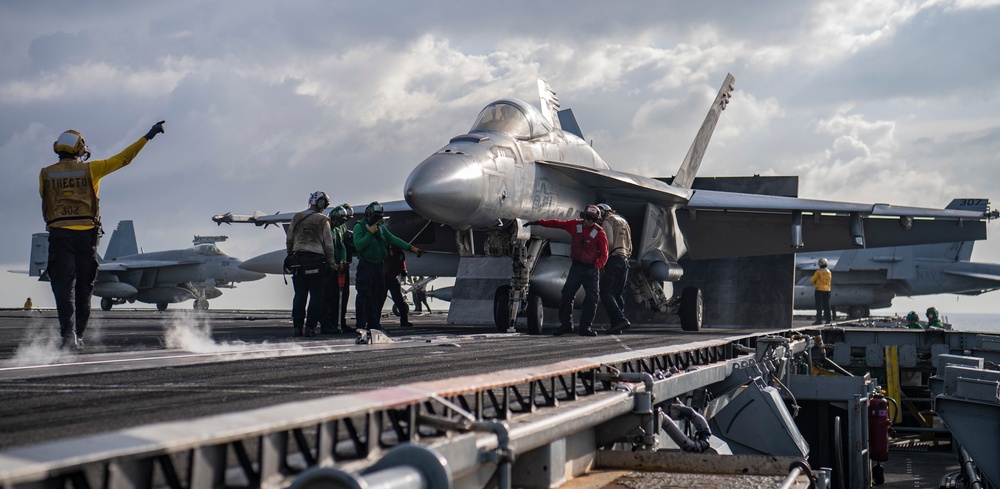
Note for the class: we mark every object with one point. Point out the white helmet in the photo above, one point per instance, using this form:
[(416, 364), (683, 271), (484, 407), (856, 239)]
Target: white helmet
[(822, 262), (319, 199)]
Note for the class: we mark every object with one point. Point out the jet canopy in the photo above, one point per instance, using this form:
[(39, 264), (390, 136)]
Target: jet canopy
[(207, 249), (512, 116)]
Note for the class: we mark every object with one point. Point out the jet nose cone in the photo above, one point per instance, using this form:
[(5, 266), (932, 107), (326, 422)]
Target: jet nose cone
[(250, 276), (446, 188), (257, 266)]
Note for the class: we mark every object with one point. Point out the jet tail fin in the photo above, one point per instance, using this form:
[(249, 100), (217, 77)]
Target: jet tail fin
[(692, 161), (960, 250), (122, 242), (549, 103), (568, 122), (39, 259)]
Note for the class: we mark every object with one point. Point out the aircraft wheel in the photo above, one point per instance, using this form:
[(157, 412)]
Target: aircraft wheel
[(535, 314), (501, 308), (692, 309), (396, 312), (858, 312), (201, 304), (106, 303), (161, 306)]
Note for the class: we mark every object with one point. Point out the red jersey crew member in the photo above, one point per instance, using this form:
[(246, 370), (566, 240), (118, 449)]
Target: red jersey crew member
[(72, 215), (821, 280), (589, 252)]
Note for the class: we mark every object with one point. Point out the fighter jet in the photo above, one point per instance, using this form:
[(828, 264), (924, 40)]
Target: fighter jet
[(870, 278), (518, 163), (161, 278)]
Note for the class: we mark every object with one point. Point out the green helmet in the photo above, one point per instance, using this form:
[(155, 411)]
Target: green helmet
[(912, 316), (932, 313)]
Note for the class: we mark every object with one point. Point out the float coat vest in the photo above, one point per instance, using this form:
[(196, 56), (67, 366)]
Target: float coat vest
[(68, 196)]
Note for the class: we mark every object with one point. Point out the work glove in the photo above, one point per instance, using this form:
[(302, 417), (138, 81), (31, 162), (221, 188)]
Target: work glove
[(416, 250), (153, 131), (530, 223)]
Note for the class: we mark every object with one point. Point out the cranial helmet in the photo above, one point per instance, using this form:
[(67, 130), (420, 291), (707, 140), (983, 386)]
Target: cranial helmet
[(349, 210), (374, 212), (319, 199), (932, 313), (605, 209), (822, 262), (341, 214), (591, 212), (71, 143), (912, 316)]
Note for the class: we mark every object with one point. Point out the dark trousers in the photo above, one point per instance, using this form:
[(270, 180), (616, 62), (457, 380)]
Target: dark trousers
[(345, 294), (370, 286), (308, 286), (395, 290), (580, 275), (823, 305), (613, 288), (72, 272)]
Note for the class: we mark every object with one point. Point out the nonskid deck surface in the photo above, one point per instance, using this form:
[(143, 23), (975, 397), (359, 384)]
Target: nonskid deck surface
[(144, 366)]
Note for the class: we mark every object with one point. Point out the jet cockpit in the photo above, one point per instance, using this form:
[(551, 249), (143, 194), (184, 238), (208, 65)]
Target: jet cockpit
[(207, 249), (514, 117)]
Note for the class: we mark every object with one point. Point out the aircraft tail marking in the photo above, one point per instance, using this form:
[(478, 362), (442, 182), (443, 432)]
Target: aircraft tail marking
[(122, 242), (692, 161)]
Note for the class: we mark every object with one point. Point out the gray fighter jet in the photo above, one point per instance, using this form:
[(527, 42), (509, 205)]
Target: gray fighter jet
[(870, 278), (518, 164), (161, 278)]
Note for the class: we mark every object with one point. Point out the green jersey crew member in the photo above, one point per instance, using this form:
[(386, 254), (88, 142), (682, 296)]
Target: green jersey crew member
[(372, 241), (72, 215)]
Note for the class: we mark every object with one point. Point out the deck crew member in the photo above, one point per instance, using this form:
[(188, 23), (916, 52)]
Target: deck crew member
[(72, 215), (615, 272), (309, 244), (589, 252), (395, 267), (336, 280), (372, 241), (822, 280), (913, 320), (934, 319)]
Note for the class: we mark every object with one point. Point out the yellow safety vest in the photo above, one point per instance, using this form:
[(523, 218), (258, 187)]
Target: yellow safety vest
[(68, 195)]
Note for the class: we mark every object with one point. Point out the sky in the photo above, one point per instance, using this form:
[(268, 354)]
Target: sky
[(892, 101)]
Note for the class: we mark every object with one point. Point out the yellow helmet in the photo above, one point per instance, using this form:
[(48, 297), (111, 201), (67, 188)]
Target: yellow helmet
[(71, 143)]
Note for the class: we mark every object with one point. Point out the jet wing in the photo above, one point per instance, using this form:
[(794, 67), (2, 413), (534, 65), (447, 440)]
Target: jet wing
[(618, 187), (729, 224), (260, 219), (124, 266)]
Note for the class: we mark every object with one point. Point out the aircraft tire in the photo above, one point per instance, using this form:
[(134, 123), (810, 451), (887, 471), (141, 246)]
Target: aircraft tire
[(161, 306), (201, 304), (106, 303), (858, 312), (501, 308), (692, 309), (535, 314)]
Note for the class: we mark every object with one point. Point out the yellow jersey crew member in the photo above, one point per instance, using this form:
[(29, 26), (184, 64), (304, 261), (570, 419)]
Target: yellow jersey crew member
[(72, 215), (821, 280)]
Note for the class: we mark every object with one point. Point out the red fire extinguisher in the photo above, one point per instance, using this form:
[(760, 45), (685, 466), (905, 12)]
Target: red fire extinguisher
[(878, 428), (878, 434)]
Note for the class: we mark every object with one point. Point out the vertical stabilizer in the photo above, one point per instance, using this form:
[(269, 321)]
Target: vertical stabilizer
[(549, 103), (122, 242), (689, 168), (959, 250), (39, 259)]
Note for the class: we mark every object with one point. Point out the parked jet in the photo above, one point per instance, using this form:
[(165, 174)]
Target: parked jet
[(161, 278), (870, 278), (518, 164)]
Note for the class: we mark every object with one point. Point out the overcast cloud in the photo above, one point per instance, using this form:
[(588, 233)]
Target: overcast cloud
[(265, 102)]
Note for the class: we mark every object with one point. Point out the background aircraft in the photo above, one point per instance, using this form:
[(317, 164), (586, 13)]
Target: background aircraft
[(161, 278), (870, 278), (518, 164)]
